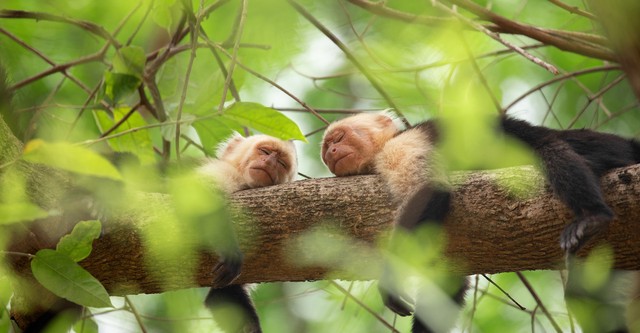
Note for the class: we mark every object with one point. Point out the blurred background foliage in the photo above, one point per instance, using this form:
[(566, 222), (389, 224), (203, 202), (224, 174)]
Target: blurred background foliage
[(129, 75)]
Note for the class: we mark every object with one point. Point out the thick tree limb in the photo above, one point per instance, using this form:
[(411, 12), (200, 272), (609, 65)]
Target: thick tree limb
[(492, 229)]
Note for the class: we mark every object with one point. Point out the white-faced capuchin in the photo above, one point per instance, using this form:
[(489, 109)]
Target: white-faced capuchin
[(572, 160), (243, 163)]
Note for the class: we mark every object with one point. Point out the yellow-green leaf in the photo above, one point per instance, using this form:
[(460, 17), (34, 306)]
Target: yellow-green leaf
[(266, 120), (78, 244), (129, 60), (70, 157)]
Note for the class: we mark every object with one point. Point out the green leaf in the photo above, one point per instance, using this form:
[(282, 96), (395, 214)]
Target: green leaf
[(118, 86), (137, 142), (130, 60), (214, 130), (266, 120), (77, 245), (65, 278), (69, 157), (86, 325), (20, 212)]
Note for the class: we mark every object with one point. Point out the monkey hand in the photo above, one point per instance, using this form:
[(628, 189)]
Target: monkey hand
[(227, 270), (395, 303), (578, 232), (400, 304)]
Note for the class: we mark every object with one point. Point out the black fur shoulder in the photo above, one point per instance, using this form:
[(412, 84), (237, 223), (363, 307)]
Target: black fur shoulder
[(431, 128)]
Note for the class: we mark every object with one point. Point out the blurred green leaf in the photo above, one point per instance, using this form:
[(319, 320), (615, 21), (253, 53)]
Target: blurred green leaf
[(118, 86), (137, 142), (129, 60), (65, 278), (265, 120), (69, 157), (15, 205), (20, 212), (86, 325), (78, 244)]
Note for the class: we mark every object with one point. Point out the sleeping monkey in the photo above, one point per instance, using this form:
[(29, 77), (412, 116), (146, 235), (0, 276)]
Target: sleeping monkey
[(573, 162), (243, 163)]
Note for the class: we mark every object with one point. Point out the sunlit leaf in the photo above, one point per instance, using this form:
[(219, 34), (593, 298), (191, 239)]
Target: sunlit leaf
[(129, 60), (65, 278), (137, 142), (78, 244), (265, 120), (86, 325), (20, 212), (214, 130), (69, 157)]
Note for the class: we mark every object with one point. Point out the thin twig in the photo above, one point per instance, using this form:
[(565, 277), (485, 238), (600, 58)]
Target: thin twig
[(595, 96), (45, 58), (538, 301), (17, 254), (58, 68), (504, 292), (139, 26), (271, 82), (499, 39), (121, 121), (85, 25), (560, 78), (135, 314), (364, 306), (573, 9), (234, 53), (476, 68), (351, 57), (194, 27)]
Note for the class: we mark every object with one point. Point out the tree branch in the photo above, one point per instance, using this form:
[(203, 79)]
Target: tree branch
[(492, 229)]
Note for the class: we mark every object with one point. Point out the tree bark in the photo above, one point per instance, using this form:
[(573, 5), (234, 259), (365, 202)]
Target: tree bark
[(493, 227)]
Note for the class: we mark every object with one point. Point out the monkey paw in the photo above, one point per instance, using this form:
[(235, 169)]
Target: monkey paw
[(576, 234), (396, 303), (227, 270)]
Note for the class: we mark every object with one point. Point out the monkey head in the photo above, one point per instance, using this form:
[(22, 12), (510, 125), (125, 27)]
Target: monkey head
[(261, 160), (349, 146)]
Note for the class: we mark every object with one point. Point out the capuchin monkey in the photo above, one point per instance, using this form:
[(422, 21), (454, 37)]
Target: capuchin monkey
[(243, 163), (572, 160)]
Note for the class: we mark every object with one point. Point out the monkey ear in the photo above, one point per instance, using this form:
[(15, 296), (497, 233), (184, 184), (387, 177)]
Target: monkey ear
[(228, 146), (384, 119)]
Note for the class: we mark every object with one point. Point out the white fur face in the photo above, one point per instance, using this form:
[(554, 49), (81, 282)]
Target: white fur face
[(350, 145), (261, 160)]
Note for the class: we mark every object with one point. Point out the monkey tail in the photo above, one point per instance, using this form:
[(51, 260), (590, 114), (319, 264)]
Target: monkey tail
[(636, 150)]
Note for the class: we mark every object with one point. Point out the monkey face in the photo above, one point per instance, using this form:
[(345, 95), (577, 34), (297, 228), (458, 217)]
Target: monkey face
[(350, 145), (347, 151), (268, 165)]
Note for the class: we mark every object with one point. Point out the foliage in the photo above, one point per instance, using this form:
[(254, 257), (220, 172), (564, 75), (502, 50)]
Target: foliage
[(166, 80)]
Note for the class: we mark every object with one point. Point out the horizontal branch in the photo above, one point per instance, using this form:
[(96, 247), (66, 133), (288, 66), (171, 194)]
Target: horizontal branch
[(493, 227)]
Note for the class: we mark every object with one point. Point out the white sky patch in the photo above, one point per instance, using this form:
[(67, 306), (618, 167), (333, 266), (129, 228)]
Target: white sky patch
[(531, 109)]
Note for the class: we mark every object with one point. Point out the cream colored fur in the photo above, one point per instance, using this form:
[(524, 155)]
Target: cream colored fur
[(228, 171)]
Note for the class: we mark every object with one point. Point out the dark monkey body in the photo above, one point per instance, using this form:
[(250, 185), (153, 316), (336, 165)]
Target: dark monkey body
[(573, 162)]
